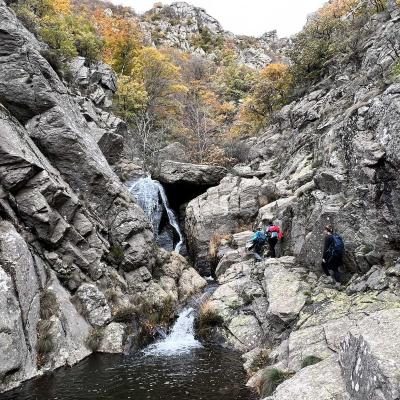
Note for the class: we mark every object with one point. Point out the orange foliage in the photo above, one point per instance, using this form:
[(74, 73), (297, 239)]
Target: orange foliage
[(61, 6), (122, 38)]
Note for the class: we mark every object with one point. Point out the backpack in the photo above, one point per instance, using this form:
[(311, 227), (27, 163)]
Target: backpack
[(337, 247), (274, 231), (260, 237)]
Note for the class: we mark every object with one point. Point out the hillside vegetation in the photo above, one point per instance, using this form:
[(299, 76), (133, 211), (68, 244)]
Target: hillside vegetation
[(166, 94)]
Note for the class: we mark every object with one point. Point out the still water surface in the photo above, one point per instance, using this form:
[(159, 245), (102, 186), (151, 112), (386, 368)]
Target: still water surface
[(176, 368)]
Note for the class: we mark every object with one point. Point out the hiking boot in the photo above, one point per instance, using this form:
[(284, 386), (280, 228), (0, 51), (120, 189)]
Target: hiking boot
[(326, 280)]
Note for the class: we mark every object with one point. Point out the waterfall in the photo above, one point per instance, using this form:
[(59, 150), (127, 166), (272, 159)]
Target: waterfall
[(180, 340), (151, 196)]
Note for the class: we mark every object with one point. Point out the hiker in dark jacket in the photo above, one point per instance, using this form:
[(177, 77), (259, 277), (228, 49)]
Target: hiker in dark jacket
[(274, 234), (332, 257)]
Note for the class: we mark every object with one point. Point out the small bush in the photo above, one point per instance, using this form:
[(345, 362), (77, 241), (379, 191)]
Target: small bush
[(396, 69), (310, 360), (272, 378), (260, 361), (45, 340), (125, 314), (111, 295), (94, 338), (48, 304), (215, 242)]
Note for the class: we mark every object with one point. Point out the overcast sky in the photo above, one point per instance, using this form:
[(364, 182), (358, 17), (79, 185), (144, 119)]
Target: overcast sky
[(249, 17)]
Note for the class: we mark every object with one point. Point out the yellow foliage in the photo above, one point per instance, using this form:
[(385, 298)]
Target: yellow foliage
[(269, 93), (337, 8), (61, 6), (122, 38)]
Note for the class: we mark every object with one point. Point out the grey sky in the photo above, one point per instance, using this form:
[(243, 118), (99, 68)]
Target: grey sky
[(249, 17)]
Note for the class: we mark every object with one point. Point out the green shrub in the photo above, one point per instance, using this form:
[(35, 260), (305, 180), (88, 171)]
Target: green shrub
[(271, 379), (310, 360), (94, 338), (48, 304), (396, 69)]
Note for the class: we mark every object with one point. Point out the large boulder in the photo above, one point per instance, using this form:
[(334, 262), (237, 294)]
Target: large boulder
[(174, 172), (322, 381), (220, 211), (369, 358)]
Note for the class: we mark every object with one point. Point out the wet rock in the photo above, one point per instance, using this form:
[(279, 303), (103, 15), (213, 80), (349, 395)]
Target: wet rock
[(190, 282)]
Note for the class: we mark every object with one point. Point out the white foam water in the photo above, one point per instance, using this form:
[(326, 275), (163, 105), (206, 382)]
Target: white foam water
[(151, 196), (180, 340)]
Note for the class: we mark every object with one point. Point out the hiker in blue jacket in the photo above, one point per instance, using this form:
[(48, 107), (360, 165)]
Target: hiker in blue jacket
[(258, 241), (332, 257)]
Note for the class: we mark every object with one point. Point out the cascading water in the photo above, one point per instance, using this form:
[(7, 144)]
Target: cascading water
[(180, 340), (151, 196)]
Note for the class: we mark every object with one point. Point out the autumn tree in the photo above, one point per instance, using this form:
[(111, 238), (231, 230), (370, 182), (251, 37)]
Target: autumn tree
[(122, 40), (147, 97), (271, 91), (67, 34)]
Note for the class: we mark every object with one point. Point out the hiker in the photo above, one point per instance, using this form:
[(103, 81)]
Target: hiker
[(274, 234), (257, 243), (332, 257)]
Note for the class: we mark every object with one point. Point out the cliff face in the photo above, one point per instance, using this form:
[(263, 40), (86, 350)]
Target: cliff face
[(188, 28), (71, 238), (330, 157)]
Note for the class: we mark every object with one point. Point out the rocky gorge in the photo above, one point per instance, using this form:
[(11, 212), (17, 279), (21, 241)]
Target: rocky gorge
[(78, 259), (75, 249)]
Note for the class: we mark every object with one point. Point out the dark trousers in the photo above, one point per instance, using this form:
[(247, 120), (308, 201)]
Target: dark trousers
[(332, 265), (272, 243), (258, 251)]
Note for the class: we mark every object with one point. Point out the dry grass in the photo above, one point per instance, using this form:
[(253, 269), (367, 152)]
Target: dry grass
[(125, 314), (208, 318), (48, 304), (94, 338), (216, 241), (271, 379)]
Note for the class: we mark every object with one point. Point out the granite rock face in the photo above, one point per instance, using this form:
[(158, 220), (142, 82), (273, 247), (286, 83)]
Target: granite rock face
[(162, 29), (329, 157), (70, 233)]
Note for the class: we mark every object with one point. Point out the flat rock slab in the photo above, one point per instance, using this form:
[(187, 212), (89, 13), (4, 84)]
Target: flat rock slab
[(174, 172)]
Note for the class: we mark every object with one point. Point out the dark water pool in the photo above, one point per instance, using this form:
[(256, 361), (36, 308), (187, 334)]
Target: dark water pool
[(207, 373)]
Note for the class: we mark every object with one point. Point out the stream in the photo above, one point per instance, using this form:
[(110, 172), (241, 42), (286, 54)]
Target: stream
[(177, 367)]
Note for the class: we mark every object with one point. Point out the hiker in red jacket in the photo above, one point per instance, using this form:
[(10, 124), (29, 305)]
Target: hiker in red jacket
[(274, 234)]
